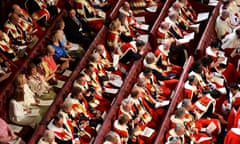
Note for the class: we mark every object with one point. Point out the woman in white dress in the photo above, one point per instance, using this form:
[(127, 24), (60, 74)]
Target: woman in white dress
[(21, 86), (20, 113)]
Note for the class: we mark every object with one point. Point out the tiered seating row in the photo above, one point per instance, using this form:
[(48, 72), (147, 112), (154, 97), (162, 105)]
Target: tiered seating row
[(54, 108), (126, 88), (36, 50), (7, 90), (178, 96), (197, 6), (208, 35), (100, 38), (124, 92), (162, 15)]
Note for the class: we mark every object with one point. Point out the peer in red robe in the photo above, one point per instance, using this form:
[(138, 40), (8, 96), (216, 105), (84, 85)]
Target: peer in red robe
[(233, 136)]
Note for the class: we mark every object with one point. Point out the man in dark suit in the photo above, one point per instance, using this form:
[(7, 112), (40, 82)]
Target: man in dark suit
[(76, 29)]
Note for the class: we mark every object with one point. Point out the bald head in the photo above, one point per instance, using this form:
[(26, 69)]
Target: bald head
[(224, 14), (126, 6)]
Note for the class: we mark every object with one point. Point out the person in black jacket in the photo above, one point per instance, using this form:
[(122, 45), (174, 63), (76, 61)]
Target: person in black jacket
[(76, 29)]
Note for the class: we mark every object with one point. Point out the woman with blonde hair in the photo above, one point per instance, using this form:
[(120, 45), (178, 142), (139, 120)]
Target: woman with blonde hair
[(20, 113), (60, 55), (22, 89), (113, 35), (73, 49)]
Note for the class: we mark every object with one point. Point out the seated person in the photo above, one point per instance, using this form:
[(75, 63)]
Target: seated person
[(22, 88), (187, 10), (129, 52), (63, 130), (7, 134), (6, 47), (27, 24), (180, 117), (175, 30), (96, 99), (92, 78), (49, 66), (22, 114), (131, 20), (42, 11), (81, 107), (14, 31), (121, 128), (178, 54), (163, 33), (109, 62), (223, 25), (150, 101), (162, 54), (178, 132), (159, 89), (183, 21), (161, 65), (232, 8), (231, 105), (191, 88), (105, 55), (104, 5), (47, 138), (86, 131), (112, 138), (4, 70), (94, 17), (139, 108), (60, 56), (73, 49), (77, 30), (46, 66), (207, 114), (232, 136), (38, 84), (127, 32), (67, 111), (107, 78), (230, 46), (113, 36)]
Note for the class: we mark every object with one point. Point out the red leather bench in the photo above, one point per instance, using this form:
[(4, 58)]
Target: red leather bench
[(53, 109), (178, 96), (208, 35), (123, 93), (8, 89), (162, 15)]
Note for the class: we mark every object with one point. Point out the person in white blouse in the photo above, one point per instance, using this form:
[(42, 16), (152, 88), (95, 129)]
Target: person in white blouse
[(21, 114), (29, 99)]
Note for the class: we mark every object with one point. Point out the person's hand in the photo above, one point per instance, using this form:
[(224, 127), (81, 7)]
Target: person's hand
[(71, 59), (37, 100), (28, 110), (136, 120), (14, 137)]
